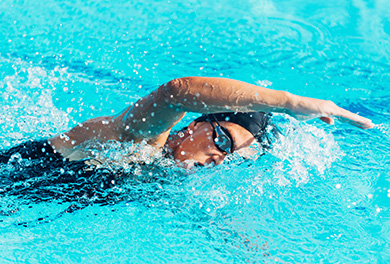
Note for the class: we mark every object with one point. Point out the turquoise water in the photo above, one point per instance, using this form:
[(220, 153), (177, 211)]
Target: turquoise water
[(320, 196)]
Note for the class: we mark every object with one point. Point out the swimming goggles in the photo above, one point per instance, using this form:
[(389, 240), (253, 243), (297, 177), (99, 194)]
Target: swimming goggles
[(221, 137)]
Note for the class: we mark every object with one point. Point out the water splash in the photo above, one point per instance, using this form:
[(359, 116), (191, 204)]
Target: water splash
[(302, 154), (28, 104), (303, 151)]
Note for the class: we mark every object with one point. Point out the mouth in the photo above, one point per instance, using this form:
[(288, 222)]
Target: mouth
[(198, 165), (192, 165)]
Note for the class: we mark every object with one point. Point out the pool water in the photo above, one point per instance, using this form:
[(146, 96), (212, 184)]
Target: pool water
[(321, 195)]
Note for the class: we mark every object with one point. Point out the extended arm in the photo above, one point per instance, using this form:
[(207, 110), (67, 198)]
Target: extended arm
[(153, 116), (162, 109)]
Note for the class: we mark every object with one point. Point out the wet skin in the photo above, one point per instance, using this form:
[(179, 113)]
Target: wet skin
[(197, 145), (152, 117)]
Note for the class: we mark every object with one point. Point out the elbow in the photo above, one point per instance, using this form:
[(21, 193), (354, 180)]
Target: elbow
[(174, 89)]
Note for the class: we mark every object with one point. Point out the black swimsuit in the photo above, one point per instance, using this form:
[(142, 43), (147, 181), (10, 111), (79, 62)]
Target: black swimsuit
[(35, 169)]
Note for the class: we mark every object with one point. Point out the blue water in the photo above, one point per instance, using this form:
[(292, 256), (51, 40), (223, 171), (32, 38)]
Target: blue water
[(321, 195)]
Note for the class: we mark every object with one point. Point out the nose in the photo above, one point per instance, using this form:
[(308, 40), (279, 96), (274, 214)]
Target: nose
[(217, 158)]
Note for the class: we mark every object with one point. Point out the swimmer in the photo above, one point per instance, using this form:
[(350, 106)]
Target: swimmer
[(235, 114)]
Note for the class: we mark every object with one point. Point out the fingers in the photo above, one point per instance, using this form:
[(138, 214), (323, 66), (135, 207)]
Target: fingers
[(354, 119), (363, 123), (327, 111), (327, 120), (348, 117)]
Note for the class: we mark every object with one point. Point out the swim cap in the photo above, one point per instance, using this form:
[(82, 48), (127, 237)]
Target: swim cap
[(254, 122)]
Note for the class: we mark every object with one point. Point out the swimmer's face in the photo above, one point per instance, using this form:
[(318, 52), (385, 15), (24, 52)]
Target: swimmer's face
[(198, 146)]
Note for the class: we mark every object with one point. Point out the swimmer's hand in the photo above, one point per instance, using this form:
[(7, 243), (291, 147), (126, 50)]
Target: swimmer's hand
[(304, 108)]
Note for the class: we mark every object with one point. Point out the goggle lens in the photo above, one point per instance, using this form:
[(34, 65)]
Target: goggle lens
[(222, 139)]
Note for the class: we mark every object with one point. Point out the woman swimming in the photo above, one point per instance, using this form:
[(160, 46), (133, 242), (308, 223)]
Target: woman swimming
[(210, 138), (235, 114)]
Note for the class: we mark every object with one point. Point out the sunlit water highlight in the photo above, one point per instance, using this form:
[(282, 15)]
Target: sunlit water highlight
[(320, 195)]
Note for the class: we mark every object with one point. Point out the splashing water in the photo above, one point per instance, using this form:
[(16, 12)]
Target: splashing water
[(28, 106), (320, 194)]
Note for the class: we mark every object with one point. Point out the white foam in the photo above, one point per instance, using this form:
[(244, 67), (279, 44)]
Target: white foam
[(28, 110), (303, 150)]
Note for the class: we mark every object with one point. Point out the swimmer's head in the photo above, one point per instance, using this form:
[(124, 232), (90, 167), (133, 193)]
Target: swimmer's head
[(255, 122), (209, 138)]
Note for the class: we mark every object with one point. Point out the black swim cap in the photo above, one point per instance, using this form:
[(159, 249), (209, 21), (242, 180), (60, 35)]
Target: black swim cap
[(254, 122)]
